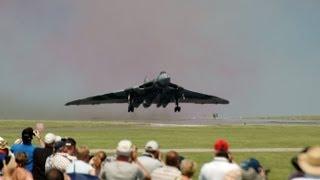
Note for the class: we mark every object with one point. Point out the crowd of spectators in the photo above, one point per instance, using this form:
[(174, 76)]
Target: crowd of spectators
[(61, 159)]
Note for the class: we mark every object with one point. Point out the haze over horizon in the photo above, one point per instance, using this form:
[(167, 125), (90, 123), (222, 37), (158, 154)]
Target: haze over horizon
[(261, 56)]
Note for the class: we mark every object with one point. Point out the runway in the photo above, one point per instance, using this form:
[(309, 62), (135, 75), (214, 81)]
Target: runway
[(228, 121)]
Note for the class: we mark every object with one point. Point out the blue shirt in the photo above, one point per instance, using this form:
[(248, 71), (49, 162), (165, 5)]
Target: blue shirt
[(28, 149)]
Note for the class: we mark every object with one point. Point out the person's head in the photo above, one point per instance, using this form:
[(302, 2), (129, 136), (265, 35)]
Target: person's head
[(59, 146), (27, 135), (95, 162), (83, 153), (70, 145), (101, 155), (251, 163), (124, 149), (172, 159), (188, 167), (54, 174), (49, 139), (21, 159), (294, 160), (221, 145), (309, 161), (152, 147), (222, 154)]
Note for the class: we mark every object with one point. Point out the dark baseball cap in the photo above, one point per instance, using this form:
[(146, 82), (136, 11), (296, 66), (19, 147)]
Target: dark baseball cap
[(70, 142), (58, 145), (251, 163)]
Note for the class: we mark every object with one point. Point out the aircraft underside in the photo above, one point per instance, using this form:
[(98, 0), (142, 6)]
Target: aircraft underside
[(159, 91), (161, 100)]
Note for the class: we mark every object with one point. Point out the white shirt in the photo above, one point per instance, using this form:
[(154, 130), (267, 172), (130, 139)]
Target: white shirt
[(149, 163), (79, 166), (219, 169), (59, 160), (166, 173)]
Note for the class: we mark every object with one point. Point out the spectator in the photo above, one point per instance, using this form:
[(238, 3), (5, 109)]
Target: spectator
[(309, 162), (55, 174), (20, 173), (4, 152), (61, 158), (101, 155), (97, 161), (122, 168), (40, 155), (170, 171), (26, 146), (150, 158), (8, 168), (222, 166), (188, 168), (252, 170), (294, 161), (81, 165), (70, 144)]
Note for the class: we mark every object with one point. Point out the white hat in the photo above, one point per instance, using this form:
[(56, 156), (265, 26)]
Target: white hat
[(49, 138), (151, 146), (309, 161), (124, 148), (57, 139)]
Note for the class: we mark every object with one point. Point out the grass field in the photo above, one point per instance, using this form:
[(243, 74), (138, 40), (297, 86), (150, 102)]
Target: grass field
[(105, 134)]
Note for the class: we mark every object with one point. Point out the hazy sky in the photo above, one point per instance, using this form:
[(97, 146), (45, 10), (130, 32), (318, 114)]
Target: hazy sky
[(263, 56)]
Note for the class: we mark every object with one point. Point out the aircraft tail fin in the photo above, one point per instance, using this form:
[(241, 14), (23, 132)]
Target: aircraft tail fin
[(146, 79)]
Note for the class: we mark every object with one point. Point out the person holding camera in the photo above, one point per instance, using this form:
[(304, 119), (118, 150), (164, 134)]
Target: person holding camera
[(222, 167), (26, 146), (253, 170)]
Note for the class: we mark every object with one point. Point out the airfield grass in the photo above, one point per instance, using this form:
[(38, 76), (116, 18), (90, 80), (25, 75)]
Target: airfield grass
[(106, 135)]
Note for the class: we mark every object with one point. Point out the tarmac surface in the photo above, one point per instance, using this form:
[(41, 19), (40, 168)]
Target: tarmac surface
[(230, 121)]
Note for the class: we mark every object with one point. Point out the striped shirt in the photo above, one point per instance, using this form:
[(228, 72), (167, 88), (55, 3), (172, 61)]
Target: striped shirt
[(60, 161), (166, 173)]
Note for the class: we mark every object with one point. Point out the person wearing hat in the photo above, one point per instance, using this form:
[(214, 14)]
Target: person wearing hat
[(309, 162), (252, 170), (62, 156), (40, 155), (150, 159), (4, 152), (122, 168), (222, 166), (26, 146)]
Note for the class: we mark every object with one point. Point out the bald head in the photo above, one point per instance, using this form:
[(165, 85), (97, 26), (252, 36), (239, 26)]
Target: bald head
[(172, 159)]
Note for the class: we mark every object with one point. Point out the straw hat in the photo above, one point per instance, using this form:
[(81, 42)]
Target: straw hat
[(309, 162), (3, 143)]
